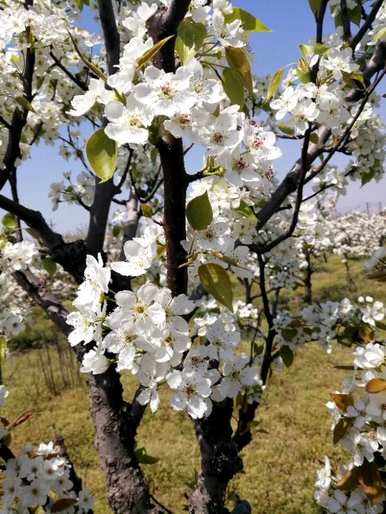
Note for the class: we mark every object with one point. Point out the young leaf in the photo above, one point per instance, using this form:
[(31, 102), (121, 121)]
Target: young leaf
[(238, 60), (199, 212), (246, 211), (152, 52), (27, 106), (274, 83), (9, 221), (216, 281), (289, 131), (233, 86), (303, 71), (248, 21), (49, 265), (190, 36), (102, 154)]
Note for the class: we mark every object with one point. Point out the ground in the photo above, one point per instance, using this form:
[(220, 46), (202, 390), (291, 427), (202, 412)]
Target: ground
[(290, 440)]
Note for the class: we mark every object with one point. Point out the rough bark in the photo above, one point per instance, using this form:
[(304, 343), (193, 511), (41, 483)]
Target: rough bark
[(220, 460), (115, 431)]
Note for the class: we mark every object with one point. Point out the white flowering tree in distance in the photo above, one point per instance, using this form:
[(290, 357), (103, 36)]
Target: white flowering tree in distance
[(182, 285)]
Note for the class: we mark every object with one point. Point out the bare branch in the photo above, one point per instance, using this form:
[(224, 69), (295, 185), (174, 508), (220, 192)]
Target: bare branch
[(110, 33), (367, 24), (345, 20), (80, 83), (320, 21), (291, 181), (301, 180)]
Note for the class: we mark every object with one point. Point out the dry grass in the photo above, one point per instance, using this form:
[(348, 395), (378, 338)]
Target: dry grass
[(289, 444)]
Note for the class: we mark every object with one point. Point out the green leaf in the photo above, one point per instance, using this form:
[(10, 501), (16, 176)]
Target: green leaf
[(116, 231), (152, 52), (309, 50), (49, 265), (289, 131), (190, 37), (274, 83), (303, 71), (9, 221), (248, 21), (233, 86), (144, 458), (238, 61), (306, 50), (102, 154), (354, 79), (216, 281), (23, 102), (199, 212), (287, 355), (314, 138), (246, 211), (315, 6)]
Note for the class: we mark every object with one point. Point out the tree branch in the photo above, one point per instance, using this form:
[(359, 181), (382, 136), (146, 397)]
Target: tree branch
[(290, 183), (320, 21), (300, 187), (110, 34), (105, 191), (367, 24), (80, 83), (345, 20), (72, 256)]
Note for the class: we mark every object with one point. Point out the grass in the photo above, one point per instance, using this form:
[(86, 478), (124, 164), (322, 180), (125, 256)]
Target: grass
[(292, 436)]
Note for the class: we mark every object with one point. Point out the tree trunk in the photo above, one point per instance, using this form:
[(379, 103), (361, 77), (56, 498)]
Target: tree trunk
[(220, 460), (115, 431)]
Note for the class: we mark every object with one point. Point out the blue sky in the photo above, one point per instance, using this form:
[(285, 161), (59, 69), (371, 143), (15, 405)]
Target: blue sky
[(291, 22)]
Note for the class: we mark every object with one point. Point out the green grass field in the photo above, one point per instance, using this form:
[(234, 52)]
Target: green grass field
[(289, 444)]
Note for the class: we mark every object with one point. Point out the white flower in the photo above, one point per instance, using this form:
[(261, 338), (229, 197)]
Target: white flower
[(83, 103), (129, 123), (192, 393), (139, 258), (3, 395), (370, 356), (139, 308), (166, 93), (94, 362)]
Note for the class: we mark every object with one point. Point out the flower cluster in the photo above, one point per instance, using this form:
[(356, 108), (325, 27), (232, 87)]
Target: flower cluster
[(358, 419), (38, 477)]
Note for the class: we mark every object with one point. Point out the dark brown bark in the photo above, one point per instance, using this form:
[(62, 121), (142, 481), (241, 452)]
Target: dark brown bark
[(165, 23), (308, 280), (291, 182), (172, 160), (220, 460), (115, 431)]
